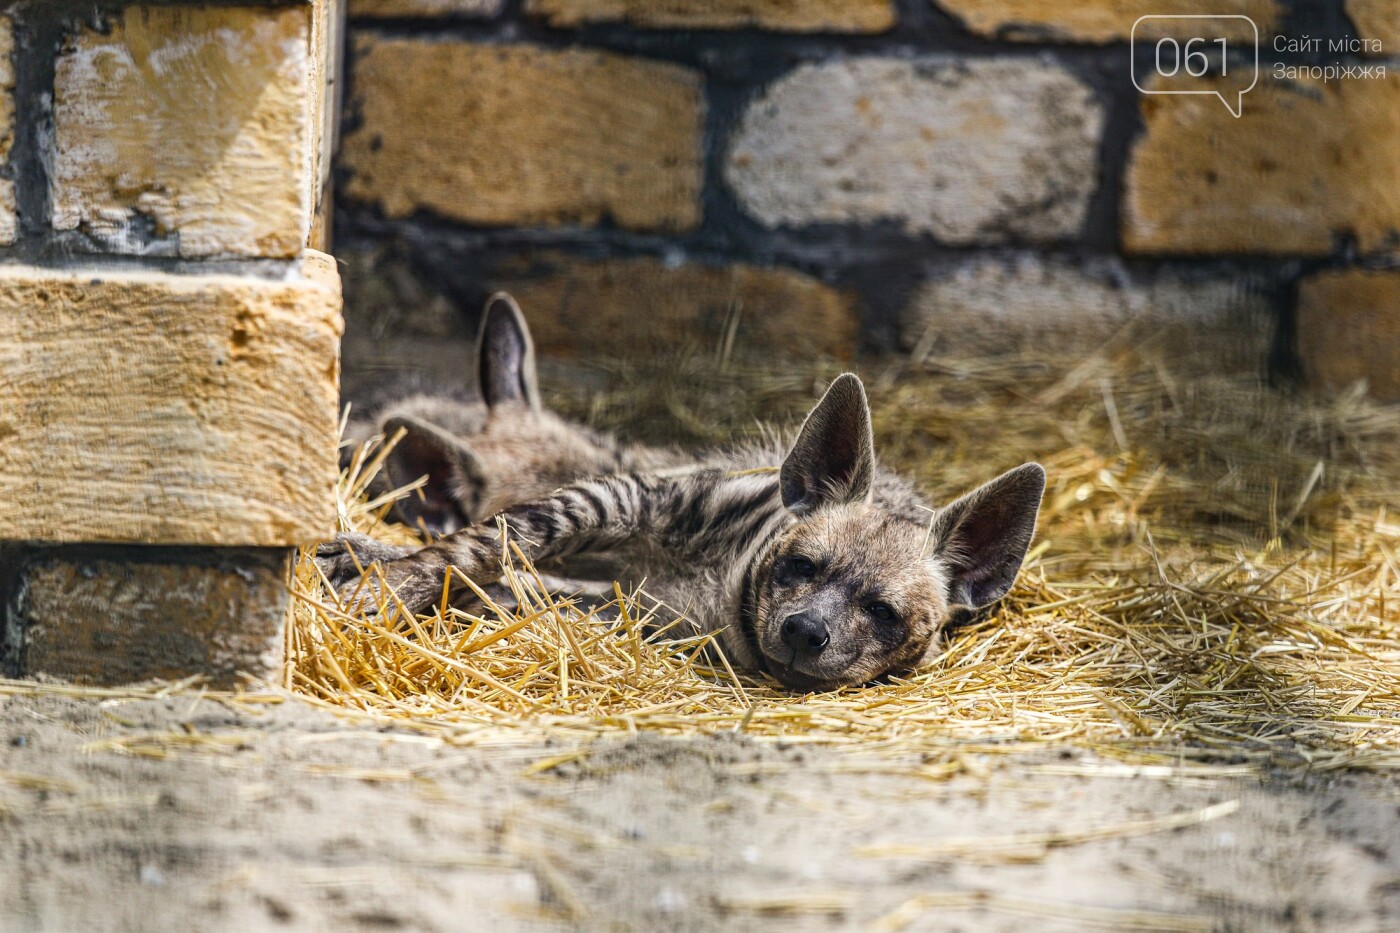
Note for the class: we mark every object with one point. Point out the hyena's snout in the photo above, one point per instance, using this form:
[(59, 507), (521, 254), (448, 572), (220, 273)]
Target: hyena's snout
[(806, 633)]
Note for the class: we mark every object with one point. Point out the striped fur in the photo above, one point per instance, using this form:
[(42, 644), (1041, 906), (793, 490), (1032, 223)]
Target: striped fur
[(482, 452), (813, 565)]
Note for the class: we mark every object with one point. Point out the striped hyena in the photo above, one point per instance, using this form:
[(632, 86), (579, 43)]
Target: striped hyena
[(479, 455), (815, 566)]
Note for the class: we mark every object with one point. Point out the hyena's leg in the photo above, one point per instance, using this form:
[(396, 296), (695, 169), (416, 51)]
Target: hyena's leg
[(593, 516), (353, 546)]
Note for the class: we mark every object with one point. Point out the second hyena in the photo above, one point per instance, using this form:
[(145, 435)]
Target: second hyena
[(478, 455), (815, 566)]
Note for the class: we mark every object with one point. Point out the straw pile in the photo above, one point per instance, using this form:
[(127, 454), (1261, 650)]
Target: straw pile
[(1214, 581)]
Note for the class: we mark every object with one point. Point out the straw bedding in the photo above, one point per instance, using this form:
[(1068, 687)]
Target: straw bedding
[(1214, 581)]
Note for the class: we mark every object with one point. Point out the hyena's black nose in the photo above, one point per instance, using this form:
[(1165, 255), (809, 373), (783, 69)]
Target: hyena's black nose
[(805, 633)]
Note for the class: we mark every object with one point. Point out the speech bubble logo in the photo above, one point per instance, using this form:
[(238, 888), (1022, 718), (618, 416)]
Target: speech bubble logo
[(1184, 52)]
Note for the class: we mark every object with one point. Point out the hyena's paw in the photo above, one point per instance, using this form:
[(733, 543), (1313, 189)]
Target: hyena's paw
[(392, 576), (342, 559)]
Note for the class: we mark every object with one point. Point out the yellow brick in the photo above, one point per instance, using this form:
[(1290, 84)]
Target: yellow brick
[(391, 8), (629, 306), (1349, 329), (994, 305), (1102, 20), (850, 16), (518, 135), (1307, 161), (196, 118), (1377, 19), (969, 150), (167, 409)]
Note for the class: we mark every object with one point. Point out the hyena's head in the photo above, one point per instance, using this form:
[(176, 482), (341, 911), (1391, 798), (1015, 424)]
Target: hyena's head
[(516, 449), (855, 589)]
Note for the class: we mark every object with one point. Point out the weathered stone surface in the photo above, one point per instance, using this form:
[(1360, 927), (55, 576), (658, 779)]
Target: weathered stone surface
[(7, 86), (1349, 329), (1104, 20), (628, 306), (193, 121), (397, 324), (1024, 302), (11, 635), (1377, 19), (122, 614), (1307, 162), (977, 151), (525, 135), (327, 66), (9, 213), (167, 409), (849, 16), (392, 8), (9, 217)]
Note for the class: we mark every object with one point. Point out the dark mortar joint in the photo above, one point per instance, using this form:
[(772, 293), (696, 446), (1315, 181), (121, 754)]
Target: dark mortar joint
[(39, 31)]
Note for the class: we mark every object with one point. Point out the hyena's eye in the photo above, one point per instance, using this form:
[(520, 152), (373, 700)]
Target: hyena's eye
[(882, 613), (800, 567)]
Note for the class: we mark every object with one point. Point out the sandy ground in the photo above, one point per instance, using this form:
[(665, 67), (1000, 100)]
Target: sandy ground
[(193, 814)]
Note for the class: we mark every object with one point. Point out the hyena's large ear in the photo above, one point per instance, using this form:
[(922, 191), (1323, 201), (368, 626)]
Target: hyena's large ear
[(982, 537), (833, 459), (452, 493), (505, 355)]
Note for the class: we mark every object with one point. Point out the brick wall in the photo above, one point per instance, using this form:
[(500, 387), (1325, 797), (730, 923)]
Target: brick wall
[(862, 174), (169, 345)]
